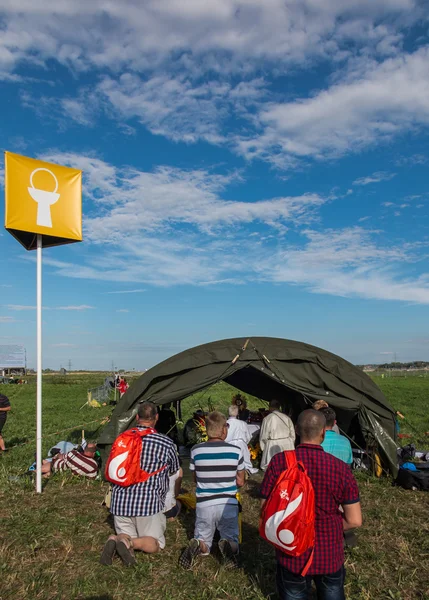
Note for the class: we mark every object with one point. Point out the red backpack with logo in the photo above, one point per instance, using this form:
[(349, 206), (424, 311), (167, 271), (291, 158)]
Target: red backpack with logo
[(288, 515), (123, 464)]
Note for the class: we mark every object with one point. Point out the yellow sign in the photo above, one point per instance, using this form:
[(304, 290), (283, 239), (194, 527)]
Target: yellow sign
[(42, 198)]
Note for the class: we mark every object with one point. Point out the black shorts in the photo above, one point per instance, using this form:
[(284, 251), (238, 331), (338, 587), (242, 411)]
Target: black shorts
[(2, 422), (173, 512)]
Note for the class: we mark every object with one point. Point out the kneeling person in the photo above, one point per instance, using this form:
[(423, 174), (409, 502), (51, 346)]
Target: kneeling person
[(218, 472), (138, 508)]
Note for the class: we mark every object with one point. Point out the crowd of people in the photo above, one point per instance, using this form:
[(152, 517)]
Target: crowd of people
[(220, 466)]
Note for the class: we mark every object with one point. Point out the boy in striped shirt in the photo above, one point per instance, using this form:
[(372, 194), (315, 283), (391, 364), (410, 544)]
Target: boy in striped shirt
[(218, 470)]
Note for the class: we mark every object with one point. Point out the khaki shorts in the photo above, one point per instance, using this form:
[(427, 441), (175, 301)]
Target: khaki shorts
[(137, 527)]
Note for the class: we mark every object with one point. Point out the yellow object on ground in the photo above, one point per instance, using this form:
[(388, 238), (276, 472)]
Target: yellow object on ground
[(188, 500)]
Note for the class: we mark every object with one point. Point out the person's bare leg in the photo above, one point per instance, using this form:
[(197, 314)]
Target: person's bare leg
[(2, 444), (203, 547), (146, 544)]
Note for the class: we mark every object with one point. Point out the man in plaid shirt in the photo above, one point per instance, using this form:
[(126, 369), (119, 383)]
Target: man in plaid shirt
[(138, 509), (334, 487)]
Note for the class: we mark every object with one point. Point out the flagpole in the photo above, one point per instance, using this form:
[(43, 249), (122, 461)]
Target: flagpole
[(39, 369)]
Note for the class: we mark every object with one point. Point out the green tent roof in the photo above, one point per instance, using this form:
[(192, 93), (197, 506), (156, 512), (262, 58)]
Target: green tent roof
[(291, 371)]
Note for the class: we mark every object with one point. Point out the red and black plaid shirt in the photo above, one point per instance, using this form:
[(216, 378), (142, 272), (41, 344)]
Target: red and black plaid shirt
[(333, 484)]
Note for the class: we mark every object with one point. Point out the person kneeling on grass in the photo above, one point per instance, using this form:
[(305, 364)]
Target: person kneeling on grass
[(218, 472), (138, 508)]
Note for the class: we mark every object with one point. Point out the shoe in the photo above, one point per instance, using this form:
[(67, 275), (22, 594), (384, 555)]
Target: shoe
[(109, 550), (125, 551), (229, 557), (189, 554)]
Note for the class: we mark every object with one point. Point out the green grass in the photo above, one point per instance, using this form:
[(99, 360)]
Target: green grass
[(50, 544)]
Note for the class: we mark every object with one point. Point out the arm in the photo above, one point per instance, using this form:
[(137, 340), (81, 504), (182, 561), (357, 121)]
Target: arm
[(240, 480), (178, 483), (5, 409), (352, 516)]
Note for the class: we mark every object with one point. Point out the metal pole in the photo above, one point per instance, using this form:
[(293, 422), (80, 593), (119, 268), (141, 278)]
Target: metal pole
[(39, 369)]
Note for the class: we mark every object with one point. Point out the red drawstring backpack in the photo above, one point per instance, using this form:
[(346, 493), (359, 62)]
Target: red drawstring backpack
[(288, 515), (123, 464)]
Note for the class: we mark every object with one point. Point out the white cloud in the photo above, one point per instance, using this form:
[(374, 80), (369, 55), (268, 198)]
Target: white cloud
[(80, 307), (7, 320), (363, 219), (222, 35), (371, 106), (349, 263), (386, 352), (414, 159), (387, 204), (374, 178), (20, 307), (136, 201), (5, 285), (123, 310), (126, 291)]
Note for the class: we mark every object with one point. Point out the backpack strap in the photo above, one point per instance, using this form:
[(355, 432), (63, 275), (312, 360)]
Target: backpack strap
[(308, 563), (290, 457)]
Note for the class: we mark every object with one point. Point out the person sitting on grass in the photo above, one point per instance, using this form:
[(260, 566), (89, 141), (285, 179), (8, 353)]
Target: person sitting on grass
[(218, 469), (137, 509), (78, 461), (334, 443)]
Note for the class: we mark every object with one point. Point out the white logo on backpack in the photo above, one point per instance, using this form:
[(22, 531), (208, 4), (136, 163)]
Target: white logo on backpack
[(115, 473), (285, 537)]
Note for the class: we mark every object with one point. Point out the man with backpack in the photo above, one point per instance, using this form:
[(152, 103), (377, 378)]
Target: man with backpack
[(139, 468), (302, 493)]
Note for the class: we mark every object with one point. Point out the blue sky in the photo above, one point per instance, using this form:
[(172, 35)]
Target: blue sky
[(250, 168)]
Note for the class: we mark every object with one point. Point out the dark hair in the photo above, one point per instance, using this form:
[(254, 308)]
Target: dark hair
[(147, 411), (275, 404), (310, 423), (330, 416)]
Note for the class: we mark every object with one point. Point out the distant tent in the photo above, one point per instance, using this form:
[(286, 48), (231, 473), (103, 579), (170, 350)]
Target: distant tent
[(294, 372)]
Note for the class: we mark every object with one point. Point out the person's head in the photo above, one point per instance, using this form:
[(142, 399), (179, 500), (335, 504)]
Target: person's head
[(216, 425), (274, 405), (320, 404), (311, 426), (167, 406), (147, 414), (330, 416), (90, 449), (233, 411)]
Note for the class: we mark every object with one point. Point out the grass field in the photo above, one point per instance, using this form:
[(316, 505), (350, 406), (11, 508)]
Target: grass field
[(50, 544)]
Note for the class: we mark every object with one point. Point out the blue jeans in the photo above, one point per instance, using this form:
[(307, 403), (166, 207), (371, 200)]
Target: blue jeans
[(296, 587)]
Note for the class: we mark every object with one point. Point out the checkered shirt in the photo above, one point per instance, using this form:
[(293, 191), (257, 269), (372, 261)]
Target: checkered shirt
[(148, 498), (333, 484)]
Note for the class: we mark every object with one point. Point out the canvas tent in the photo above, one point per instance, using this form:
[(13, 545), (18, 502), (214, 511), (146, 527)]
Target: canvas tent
[(293, 372)]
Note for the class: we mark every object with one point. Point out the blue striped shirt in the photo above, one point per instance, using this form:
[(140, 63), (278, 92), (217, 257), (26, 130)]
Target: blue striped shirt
[(216, 465), (338, 445)]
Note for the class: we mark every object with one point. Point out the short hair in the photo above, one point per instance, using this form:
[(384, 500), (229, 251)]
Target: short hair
[(320, 404), (310, 423), (147, 411), (330, 416), (275, 404), (215, 422), (233, 410)]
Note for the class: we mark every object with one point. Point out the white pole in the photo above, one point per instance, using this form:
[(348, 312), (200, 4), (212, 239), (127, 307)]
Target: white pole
[(39, 369)]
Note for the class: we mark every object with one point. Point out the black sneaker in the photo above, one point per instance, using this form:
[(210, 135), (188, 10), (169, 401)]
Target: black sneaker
[(189, 554), (229, 557)]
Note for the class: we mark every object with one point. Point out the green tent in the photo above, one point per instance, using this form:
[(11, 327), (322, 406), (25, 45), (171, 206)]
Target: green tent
[(293, 372)]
